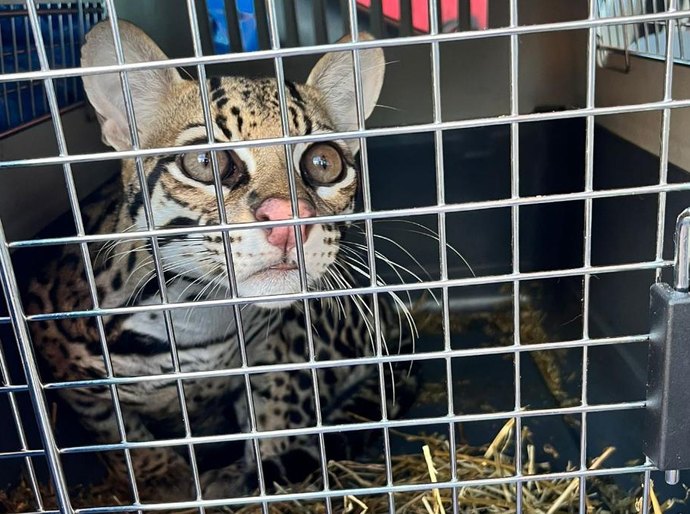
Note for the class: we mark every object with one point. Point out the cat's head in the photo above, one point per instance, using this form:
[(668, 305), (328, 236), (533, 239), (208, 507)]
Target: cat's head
[(168, 113)]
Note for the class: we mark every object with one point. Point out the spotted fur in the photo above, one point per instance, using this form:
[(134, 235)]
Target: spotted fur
[(168, 113)]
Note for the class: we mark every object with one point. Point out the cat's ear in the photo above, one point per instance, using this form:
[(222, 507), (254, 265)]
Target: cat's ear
[(333, 75), (105, 92)]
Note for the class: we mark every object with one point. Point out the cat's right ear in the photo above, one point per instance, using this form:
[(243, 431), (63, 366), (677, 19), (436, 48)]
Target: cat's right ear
[(333, 75), (105, 92)]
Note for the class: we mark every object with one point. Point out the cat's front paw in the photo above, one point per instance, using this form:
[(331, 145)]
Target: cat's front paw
[(228, 482)]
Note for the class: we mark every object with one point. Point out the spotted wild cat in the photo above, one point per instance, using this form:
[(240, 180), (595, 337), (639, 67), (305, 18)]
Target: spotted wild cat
[(182, 194)]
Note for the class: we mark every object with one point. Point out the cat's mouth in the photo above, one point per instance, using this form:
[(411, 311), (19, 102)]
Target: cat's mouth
[(277, 269), (283, 266), (277, 278)]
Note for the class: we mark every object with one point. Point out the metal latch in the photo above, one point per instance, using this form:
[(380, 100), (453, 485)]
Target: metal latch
[(667, 424)]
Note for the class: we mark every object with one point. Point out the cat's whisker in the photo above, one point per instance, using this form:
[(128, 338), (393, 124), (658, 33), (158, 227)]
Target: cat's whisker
[(210, 284), (384, 343), (149, 275), (337, 299), (357, 300), (426, 232), (107, 244), (404, 250), (394, 296), (385, 259)]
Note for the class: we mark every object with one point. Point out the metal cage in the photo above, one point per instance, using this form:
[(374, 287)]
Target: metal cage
[(578, 240), (63, 26), (641, 39)]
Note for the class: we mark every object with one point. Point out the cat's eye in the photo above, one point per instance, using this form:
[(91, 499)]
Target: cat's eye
[(322, 164), (199, 167)]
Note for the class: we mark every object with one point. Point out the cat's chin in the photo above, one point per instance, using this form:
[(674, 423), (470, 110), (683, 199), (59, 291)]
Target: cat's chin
[(271, 282)]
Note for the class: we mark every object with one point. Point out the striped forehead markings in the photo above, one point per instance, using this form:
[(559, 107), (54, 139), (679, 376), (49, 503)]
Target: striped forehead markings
[(222, 123), (236, 112), (267, 89), (214, 82), (151, 182), (292, 89)]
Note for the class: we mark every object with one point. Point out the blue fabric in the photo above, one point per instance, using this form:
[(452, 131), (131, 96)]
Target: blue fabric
[(219, 25), (20, 102)]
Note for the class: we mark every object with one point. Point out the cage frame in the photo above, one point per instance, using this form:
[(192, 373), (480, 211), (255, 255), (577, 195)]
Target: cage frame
[(19, 319)]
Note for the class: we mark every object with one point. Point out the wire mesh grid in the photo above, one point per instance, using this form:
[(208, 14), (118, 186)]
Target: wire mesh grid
[(642, 39), (64, 24), (36, 387)]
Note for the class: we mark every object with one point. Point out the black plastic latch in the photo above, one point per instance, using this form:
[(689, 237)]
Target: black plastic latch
[(667, 423)]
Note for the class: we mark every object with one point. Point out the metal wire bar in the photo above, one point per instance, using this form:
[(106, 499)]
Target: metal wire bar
[(369, 236), (46, 11), (671, 475), (51, 60), (14, 388), (227, 249), (665, 136), (30, 66), (51, 97), (418, 356), (19, 427), (21, 332), (352, 134), (417, 286), (587, 247), (22, 454), (355, 427), (155, 248), (442, 240), (366, 491), (376, 215), (15, 53), (646, 485), (222, 215), (320, 49), (43, 512), (274, 37), (515, 239), (2, 72), (681, 271)]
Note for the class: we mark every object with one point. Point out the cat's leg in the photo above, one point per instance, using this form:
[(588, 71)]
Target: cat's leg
[(285, 399), (160, 473)]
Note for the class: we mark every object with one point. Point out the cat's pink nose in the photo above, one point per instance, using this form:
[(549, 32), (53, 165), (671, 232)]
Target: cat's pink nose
[(275, 209)]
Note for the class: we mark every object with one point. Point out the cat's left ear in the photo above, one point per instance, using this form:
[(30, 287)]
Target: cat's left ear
[(333, 75)]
